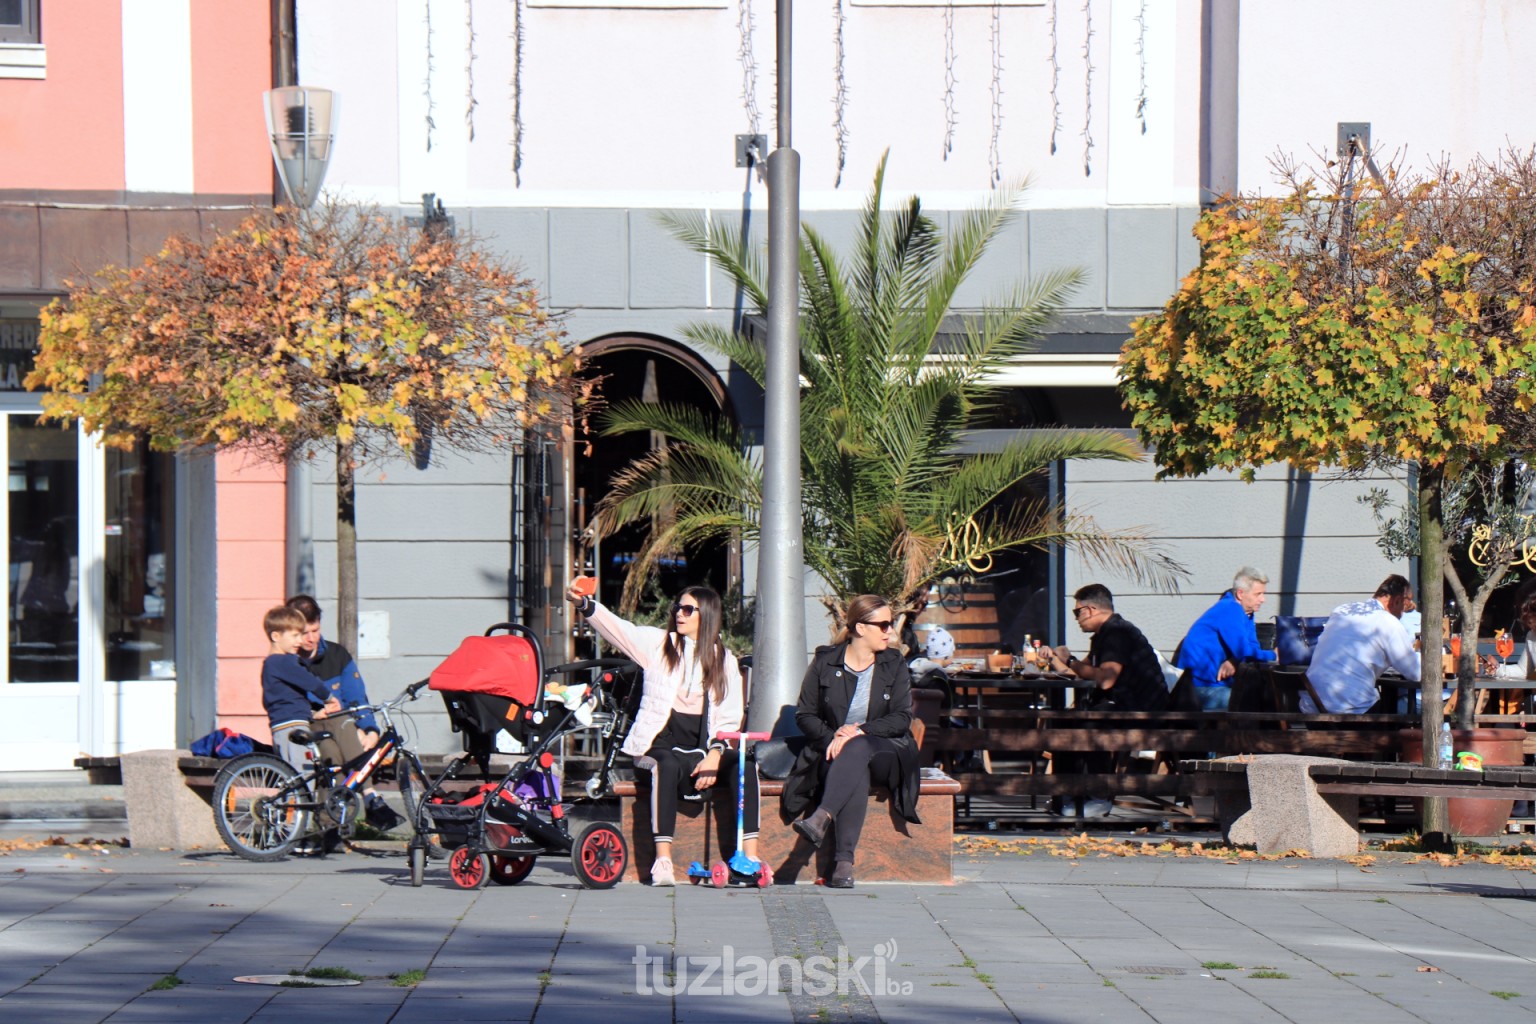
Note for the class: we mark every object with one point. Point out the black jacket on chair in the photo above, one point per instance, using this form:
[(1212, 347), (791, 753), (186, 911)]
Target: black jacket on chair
[(825, 693)]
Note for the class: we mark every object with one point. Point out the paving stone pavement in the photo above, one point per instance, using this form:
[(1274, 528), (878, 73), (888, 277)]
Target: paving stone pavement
[(84, 937)]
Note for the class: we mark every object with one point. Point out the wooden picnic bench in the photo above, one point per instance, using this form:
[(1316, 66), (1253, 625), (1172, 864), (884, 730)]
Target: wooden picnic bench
[(1024, 748)]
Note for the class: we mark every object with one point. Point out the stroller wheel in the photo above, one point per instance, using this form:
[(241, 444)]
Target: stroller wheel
[(416, 856), (510, 870), (469, 870), (600, 856)]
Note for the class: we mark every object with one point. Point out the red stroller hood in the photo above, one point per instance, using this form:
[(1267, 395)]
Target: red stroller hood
[(503, 665)]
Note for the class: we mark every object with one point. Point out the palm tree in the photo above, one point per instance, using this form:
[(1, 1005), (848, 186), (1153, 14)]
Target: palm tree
[(893, 384)]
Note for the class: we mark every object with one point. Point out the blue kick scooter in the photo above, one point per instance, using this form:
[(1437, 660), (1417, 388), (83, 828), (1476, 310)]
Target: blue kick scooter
[(740, 869)]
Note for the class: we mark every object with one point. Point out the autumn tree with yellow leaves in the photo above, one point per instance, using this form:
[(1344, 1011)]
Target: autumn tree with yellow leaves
[(293, 333), (1353, 322)]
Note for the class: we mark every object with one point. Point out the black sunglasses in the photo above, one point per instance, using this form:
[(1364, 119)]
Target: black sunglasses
[(884, 626), (684, 610)]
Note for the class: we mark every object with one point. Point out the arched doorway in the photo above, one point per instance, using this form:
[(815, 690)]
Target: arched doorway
[(647, 369)]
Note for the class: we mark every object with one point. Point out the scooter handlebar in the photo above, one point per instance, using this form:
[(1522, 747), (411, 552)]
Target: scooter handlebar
[(722, 735)]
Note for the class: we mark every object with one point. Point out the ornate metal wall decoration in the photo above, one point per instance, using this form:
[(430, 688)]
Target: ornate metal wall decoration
[(951, 115), (1087, 87), (518, 11), (469, 89)]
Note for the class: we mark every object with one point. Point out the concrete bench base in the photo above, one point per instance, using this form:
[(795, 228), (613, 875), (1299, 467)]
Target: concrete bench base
[(1286, 812), (164, 812), (706, 832)]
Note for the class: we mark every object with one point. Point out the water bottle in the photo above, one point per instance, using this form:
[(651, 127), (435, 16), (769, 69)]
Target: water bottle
[(1447, 753)]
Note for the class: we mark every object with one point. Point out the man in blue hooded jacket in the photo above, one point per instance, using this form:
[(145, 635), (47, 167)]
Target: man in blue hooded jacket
[(1223, 638)]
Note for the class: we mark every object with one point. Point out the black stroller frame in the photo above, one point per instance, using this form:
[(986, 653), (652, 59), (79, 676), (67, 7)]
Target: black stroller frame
[(498, 834)]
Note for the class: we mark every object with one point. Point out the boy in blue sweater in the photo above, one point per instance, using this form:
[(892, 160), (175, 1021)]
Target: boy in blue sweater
[(295, 698)]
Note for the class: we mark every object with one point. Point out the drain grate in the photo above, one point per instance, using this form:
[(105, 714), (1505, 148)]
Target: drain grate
[(1154, 970)]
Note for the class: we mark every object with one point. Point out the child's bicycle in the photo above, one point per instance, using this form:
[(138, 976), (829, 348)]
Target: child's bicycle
[(263, 806)]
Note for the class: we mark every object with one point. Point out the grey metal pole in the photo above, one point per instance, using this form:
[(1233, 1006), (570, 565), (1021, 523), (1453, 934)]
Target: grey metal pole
[(779, 651)]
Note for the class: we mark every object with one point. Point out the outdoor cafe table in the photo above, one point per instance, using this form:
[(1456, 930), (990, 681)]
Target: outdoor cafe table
[(971, 688)]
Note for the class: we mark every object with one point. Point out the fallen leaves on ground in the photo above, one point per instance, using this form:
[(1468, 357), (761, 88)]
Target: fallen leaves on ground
[(84, 843), (1085, 845)]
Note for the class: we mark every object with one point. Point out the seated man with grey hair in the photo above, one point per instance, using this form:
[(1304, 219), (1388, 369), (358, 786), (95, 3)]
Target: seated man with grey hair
[(1223, 638)]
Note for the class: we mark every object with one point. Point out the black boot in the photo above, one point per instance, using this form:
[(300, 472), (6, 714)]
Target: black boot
[(382, 816), (842, 876), (814, 828)]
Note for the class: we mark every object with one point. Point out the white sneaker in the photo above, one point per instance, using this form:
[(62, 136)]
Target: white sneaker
[(661, 872)]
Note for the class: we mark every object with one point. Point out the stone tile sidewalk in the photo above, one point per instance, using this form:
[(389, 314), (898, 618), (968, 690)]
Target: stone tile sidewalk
[(84, 936)]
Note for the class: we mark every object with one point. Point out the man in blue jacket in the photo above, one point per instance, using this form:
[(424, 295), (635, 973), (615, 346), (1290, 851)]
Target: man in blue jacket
[(1223, 638)]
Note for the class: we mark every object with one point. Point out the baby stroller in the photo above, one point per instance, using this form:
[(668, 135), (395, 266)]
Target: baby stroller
[(497, 831)]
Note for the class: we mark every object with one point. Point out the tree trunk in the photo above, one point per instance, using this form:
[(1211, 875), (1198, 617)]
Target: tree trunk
[(1471, 626), (346, 549), (1432, 587)]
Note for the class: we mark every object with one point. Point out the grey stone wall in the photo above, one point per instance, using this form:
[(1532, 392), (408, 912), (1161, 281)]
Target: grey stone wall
[(1311, 537)]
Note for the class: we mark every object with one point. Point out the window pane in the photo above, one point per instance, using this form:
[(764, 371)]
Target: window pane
[(139, 549), (43, 486), (10, 12)]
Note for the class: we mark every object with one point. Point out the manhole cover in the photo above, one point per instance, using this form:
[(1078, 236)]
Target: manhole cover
[(294, 981), (1153, 970)]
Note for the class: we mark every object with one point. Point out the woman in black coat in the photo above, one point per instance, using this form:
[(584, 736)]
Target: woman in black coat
[(855, 710)]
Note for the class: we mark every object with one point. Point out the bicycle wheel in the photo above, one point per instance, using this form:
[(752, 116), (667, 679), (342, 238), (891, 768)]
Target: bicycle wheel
[(600, 856), (413, 790), (252, 819)]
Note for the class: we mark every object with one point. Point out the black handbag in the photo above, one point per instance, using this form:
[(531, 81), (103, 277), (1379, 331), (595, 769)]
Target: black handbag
[(776, 757)]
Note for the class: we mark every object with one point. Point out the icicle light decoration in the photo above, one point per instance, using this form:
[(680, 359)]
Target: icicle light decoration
[(951, 114), (994, 153), (1055, 82), (426, 86), (469, 89), (745, 26), (840, 94), (1141, 57), (517, 93), (1087, 87)]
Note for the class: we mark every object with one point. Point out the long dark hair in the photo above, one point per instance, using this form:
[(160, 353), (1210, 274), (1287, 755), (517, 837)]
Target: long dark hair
[(859, 610), (707, 648)]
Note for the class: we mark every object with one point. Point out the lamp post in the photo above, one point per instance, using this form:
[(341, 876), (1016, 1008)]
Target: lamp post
[(779, 655), (299, 129)]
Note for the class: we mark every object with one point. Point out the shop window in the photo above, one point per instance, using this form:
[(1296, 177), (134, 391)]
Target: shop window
[(140, 549), (43, 490)]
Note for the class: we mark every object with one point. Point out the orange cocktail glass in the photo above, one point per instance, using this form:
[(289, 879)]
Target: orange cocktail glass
[(1504, 644)]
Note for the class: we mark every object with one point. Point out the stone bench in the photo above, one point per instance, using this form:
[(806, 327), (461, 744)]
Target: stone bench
[(1285, 802), (706, 832)]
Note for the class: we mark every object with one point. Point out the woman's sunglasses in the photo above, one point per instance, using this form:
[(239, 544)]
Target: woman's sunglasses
[(883, 625), (684, 610)]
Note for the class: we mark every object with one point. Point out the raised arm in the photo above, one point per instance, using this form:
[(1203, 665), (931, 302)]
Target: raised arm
[(639, 643)]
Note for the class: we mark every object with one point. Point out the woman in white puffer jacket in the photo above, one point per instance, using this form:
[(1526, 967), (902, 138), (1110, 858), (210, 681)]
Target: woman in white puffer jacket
[(692, 691)]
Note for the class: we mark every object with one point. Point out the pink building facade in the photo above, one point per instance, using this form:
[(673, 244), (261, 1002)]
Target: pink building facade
[(136, 580)]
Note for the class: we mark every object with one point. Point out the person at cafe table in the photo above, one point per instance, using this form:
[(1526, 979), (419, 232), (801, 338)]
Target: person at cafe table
[(1120, 659), (1360, 642), (1223, 638)]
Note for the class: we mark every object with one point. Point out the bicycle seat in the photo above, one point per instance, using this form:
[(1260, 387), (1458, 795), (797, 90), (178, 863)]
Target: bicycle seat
[(301, 737)]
